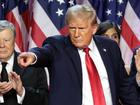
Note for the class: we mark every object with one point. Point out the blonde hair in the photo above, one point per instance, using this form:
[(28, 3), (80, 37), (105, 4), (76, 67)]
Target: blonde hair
[(81, 11)]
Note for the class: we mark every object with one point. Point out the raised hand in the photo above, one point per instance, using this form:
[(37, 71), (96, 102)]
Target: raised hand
[(137, 60), (26, 58), (16, 82)]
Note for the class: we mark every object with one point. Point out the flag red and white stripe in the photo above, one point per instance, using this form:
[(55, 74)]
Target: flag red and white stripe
[(34, 27), (130, 33)]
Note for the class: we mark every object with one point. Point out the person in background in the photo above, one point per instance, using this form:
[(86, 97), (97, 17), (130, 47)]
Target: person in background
[(84, 69), (26, 86), (110, 30)]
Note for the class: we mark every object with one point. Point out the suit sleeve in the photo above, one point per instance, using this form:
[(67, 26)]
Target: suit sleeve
[(50, 47), (124, 86), (127, 88)]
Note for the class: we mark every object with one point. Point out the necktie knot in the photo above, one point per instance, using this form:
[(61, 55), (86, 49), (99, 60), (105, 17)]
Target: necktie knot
[(4, 64), (86, 50)]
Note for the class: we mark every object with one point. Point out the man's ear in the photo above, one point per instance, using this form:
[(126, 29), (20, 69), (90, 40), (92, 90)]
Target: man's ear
[(95, 27)]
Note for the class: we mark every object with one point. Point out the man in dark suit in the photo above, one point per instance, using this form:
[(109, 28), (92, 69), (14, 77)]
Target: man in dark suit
[(70, 82), (26, 86)]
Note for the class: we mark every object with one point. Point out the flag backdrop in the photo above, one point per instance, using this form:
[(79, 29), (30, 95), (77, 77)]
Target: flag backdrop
[(48, 19), (12, 11), (36, 20)]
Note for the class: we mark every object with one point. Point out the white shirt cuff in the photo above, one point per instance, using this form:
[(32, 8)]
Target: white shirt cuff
[(21, 98), (35, 59), (1, 99)]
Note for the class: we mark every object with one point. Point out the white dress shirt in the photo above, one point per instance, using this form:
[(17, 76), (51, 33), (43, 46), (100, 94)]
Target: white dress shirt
[(9, 68), (86, 89)]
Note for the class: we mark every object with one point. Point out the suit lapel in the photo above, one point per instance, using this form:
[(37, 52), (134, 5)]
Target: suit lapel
[(104, 52), (75, 59)]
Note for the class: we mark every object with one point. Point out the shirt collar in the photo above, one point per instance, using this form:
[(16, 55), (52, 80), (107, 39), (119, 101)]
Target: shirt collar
[(11, 60), (92, 45)]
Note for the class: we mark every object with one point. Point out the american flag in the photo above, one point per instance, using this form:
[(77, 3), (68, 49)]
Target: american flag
[(126, 14), (48, 19), (36, 20), (10, 11), (130, 30), (1, 11)]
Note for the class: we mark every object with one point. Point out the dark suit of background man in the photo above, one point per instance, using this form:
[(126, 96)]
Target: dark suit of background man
[(65, 59), (26, 86)]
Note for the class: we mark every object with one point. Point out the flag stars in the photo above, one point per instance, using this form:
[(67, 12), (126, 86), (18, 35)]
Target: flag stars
[(59, 12), (119, 14), (71, 2), (110, 0), (2, 5), (108, 12), (61, 1), (120, 2), (26, 1), (50, 1)]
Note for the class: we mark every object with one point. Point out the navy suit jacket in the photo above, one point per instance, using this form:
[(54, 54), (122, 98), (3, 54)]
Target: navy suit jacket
[(35, 83), (64, 65)]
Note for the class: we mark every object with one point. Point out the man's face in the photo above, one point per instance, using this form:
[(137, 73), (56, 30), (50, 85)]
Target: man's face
[(6, 44), (81, 32)]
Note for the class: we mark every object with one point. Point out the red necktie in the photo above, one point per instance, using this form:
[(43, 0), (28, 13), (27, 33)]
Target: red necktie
[(95, 83)]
